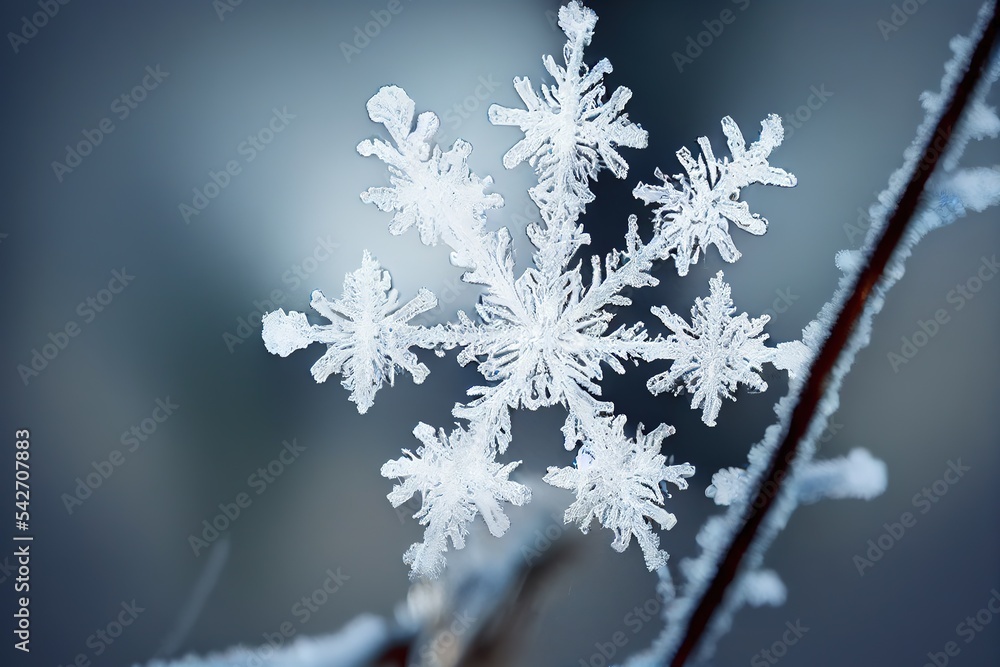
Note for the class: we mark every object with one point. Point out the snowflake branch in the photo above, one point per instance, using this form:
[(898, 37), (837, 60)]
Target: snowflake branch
[(457, 477), (570, 132), (693, 211), (368, 338), (617, 276), (617, 480), (437, 192), (693, 214)]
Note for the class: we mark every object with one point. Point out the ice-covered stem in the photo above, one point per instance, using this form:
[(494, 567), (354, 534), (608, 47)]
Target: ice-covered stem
[(570, 133), (366, 641), (829, 357), (493, 601)]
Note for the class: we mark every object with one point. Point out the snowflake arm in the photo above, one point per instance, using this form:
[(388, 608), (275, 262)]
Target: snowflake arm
[(617, 481), (693, 211), (715, 353), (368, 338), (457, 477), (432, 189), (570, 133), (437, 192)]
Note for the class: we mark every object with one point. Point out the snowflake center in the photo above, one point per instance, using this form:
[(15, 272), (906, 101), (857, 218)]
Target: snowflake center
[(366, 328)]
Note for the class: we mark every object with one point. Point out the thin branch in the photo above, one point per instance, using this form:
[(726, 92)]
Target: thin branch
[(820, 373)]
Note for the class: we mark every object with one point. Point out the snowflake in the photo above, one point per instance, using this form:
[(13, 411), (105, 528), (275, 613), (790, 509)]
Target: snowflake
[(364, 341), (543, 337), (430, 187), (695, 213), (715, 353), (456, 477), (569, 132), (617, 482)]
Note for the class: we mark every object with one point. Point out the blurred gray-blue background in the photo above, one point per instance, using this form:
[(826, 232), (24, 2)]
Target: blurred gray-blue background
[(151, 315)]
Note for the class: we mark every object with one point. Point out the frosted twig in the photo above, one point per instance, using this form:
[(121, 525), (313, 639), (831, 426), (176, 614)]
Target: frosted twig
[(829, 364)]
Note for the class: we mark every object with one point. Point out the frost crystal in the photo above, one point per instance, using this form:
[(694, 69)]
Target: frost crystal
[(695, 210), (713, 354), (728, 486), (543, 337), (617, 482), (431, 189), (570, 132), (456, 477), (366, 342)]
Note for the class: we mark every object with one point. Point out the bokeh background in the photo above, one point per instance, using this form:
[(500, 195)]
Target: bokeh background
[(230, 66)]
